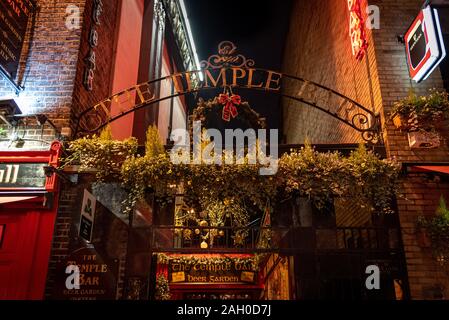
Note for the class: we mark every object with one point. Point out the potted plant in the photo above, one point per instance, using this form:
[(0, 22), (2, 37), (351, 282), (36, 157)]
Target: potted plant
[(436, 229), (426, 113), (422, 117)]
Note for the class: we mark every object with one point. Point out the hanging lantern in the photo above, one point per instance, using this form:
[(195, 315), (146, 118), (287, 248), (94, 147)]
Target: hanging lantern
[(221, 233), (204, 245), (197, 231), (203, 223)]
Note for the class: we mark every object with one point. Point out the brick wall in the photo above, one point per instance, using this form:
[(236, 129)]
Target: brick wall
[(395, 84), (105, 57), (417, 197), (61, 236), (53, 81), (318, 49), (67, 223), (109, 236), (53, 74), (420, 196), (50, 72)]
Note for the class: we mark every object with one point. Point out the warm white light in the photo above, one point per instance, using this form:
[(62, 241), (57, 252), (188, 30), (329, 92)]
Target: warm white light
[(443, 48), (25, 104), (204, 245), (189, 33)]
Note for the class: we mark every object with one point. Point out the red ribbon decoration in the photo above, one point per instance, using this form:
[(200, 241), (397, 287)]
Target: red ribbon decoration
[(230, 105)]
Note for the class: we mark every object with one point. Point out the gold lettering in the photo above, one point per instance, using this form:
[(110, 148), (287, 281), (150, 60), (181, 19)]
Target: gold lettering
[(270, 80), (196, 279), (237, 73), (222, 76), (89, 281), (303, 88), (103, 106), (9, 52), (4, 55), (250, 80), (177, 82), (10, 26), (146, 95), (125, 104)]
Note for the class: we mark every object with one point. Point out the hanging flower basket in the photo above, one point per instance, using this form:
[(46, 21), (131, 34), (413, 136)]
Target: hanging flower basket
[(423, 113), (397, 121)]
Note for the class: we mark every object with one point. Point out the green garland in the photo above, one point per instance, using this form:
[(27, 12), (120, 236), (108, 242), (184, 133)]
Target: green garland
[(162, 288), (101, 153), (318, 176), (214, 189), (205, 109)]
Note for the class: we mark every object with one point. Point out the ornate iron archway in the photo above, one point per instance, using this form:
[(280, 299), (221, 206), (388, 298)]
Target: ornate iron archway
[(229, 69)]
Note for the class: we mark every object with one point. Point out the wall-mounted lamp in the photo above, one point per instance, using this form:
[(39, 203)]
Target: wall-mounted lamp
[(43, 119), (8, 108), (50, 170)]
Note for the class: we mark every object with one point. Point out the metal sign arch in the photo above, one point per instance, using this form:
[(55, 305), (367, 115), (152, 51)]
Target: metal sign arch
[(228, 69)]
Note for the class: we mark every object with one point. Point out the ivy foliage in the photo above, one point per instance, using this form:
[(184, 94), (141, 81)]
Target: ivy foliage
[(321, 177), (438, 230), (162, 288), (317, 176), (101, 153), (423, 112)]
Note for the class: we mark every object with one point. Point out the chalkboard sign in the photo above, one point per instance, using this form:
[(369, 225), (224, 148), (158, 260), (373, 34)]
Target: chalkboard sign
[(14, 18), (97, 280)]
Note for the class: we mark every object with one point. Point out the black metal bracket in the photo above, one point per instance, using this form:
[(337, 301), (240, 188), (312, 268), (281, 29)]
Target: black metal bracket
[(50, 170)]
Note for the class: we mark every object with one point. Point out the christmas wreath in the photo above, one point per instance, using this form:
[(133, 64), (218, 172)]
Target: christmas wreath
[(227, 106)]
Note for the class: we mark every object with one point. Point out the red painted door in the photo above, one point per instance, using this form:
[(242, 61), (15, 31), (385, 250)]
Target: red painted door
[(24, 253)]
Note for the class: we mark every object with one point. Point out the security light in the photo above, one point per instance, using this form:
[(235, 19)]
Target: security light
[(8, 108)]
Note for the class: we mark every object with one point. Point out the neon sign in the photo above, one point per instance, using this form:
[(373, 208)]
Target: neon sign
[(357, 31)]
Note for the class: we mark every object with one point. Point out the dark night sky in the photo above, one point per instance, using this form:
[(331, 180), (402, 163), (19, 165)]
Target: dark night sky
[(258, 29)]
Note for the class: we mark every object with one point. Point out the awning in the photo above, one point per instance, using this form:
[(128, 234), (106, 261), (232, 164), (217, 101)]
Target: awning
[(4, 200), (426, 168), (440, 169)]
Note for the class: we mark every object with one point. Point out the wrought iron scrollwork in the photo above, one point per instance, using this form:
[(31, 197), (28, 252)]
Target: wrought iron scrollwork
[(228, 61), (335, 104), (227, 57)]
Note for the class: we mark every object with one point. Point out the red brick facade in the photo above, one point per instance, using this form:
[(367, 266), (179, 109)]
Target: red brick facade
[(49, 75), (53, 85), (105, 55), (318, 49)]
